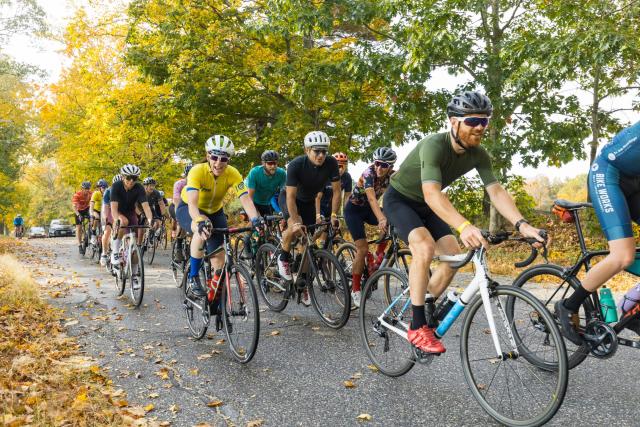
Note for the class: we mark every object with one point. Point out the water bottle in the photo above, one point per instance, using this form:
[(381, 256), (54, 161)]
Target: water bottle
[(630, 299), (608, 306), (445, 305)]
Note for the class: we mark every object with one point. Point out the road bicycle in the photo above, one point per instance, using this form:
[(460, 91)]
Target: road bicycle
[(180, 257), (152, 239), (231, 299), (551, 282), (19, 231), (84, 234), (325, 280), (272, 233), (394, 256), (131, 266), (95, 248), (493, 340)]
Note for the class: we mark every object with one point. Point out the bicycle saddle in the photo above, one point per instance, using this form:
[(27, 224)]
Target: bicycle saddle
[(565, 204)]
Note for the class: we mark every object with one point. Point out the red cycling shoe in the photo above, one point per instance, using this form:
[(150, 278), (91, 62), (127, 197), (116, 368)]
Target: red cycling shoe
[(425, 339)]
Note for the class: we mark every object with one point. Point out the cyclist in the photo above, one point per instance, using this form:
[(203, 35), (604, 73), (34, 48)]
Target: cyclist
[(176, 231), (80, 203), (95, 207), (614, 188), (202, 204), (263, 181), (363, 207), (306, 176), (107, 221), (156, 203), (422, 214), (323, 200), (125, 194), (18, 225)]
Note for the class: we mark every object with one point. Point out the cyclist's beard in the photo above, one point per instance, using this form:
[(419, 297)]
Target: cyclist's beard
[(457, 139)]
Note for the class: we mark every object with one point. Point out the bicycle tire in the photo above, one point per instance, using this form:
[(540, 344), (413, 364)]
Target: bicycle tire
[(400, 262), (150, 248), (527, 376), (242, 307), (136, 296), (238, 249), (197, 331), (333, 292), (346, 254), (84, 242), (376, 336), (177, 268), (121, 281), (532, 281), (267, 277)]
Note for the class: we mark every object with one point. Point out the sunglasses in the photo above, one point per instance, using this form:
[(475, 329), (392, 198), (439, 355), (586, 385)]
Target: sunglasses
[(215, 158), (319, 151), (271, 163), (131, 178), (474, 121), (383, 165)]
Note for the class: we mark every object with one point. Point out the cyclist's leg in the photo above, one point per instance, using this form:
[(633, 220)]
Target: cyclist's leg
[(443, 274), (409, 217), (78, 222), (355, 224), (195, 250)]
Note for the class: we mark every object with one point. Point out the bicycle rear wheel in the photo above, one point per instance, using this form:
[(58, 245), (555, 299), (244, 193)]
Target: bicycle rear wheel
[(547, 283), (241, 316), (150, 245), (509, 388), (136, 272), (329, 289), (178, 267), (390, 352), (272, 287)]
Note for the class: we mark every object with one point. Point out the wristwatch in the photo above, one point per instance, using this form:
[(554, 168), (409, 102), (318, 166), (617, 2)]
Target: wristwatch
[(519, 223)]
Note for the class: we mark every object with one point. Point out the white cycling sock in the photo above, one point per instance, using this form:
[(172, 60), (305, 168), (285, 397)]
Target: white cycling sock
[(116, 245)]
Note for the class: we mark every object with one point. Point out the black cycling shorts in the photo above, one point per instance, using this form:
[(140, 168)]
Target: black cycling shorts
[(306, 210), (406, 215), (83, 214), (264, 210), (355, 216)]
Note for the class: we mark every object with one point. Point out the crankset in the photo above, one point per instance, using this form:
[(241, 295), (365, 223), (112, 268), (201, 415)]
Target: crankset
[(422, 357), (602, 339)]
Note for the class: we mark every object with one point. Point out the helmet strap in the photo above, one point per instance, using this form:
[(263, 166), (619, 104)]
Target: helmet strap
[(456, 138)]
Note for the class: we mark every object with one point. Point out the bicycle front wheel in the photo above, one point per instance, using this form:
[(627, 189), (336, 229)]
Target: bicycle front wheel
[(178, 267), (510, 388), (150, 244), (241, 316), (548, 284), (346, 254), (383, 330), (329, 289), (272, 287), (136, 274)]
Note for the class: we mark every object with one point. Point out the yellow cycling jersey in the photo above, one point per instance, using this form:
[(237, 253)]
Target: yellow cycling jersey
[(212, 189), (96, 198)]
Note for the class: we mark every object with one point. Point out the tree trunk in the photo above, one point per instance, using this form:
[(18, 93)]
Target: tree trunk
[(595, 122)]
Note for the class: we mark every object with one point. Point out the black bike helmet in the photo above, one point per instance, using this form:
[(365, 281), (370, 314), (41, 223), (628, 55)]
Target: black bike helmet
[(385, 154), (102, 183), (469, 103), (270, 156), (148, 180), (86, 185)]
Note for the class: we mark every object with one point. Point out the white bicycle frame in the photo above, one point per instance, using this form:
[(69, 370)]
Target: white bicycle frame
[(479, 283)]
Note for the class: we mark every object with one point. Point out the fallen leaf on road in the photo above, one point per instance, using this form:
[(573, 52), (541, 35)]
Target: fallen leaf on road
[(163, 373), (255, 423), (349, 384), (220, 342), (274, 333), (215, 403), (202, 425), (373, 368), (154, 395), (204, 356), (482, 386), (71, 323), (364, 417), (149, 407), (174, 408), (194, 371)]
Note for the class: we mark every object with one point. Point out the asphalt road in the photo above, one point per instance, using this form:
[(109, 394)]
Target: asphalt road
[(297, 376)]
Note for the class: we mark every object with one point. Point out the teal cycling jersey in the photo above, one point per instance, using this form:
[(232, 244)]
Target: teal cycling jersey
[(613, 184), (265, 186)]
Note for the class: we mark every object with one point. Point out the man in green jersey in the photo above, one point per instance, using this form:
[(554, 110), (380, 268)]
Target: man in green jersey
[(422, 214), (265, 181)]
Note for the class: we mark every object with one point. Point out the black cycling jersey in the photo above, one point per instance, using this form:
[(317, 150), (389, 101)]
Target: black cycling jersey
[(309, 178), (346, 184), (127, 199)]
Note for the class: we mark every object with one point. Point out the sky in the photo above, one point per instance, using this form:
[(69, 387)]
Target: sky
[(47, 55)]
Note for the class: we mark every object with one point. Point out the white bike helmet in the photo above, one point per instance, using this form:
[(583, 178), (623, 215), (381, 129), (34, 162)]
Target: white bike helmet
[(219, 144), (116, 178), (316, 139), (130, 170)]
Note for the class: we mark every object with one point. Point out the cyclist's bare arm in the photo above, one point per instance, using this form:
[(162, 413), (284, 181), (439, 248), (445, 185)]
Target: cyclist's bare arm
[(337, 197), (505, 204), (291, 204), (249, 207)]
